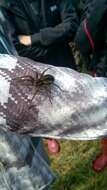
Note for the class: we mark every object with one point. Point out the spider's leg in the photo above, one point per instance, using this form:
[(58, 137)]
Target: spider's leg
[(35, 92), (48, 92), (44, 72), (36, 75), (24, 79), (49, 95), (57, 87), (29, 77)]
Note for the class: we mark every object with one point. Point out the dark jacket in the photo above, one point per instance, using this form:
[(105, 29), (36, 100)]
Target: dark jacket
[(6, 30), (51, 24), (90, 37)]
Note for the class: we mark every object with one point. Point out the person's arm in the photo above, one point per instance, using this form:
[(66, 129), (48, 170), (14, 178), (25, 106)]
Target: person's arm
[(65, 31), (90, 25)]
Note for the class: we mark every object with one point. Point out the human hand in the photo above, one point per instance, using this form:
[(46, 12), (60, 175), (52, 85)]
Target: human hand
[(25, 40)]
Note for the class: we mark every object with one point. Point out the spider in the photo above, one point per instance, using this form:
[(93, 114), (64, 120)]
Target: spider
[(39, 82)]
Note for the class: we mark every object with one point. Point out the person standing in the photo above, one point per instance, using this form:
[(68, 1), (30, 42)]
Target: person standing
[(44, 29), (91, 40)]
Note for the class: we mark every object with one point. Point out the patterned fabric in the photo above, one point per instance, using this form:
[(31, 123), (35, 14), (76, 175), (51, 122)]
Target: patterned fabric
[(73, 106)]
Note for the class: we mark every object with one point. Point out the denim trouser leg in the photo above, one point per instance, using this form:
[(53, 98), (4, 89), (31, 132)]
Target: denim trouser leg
[(38, 143)]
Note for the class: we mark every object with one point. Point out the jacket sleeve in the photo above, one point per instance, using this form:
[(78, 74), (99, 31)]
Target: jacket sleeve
[(65, 31), (101, 66), (90, 25)]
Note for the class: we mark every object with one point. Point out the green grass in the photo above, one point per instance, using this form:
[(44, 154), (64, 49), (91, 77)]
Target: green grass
[(73, 167)]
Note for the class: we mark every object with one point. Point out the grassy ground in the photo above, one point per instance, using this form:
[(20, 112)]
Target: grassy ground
[(72, 167)]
